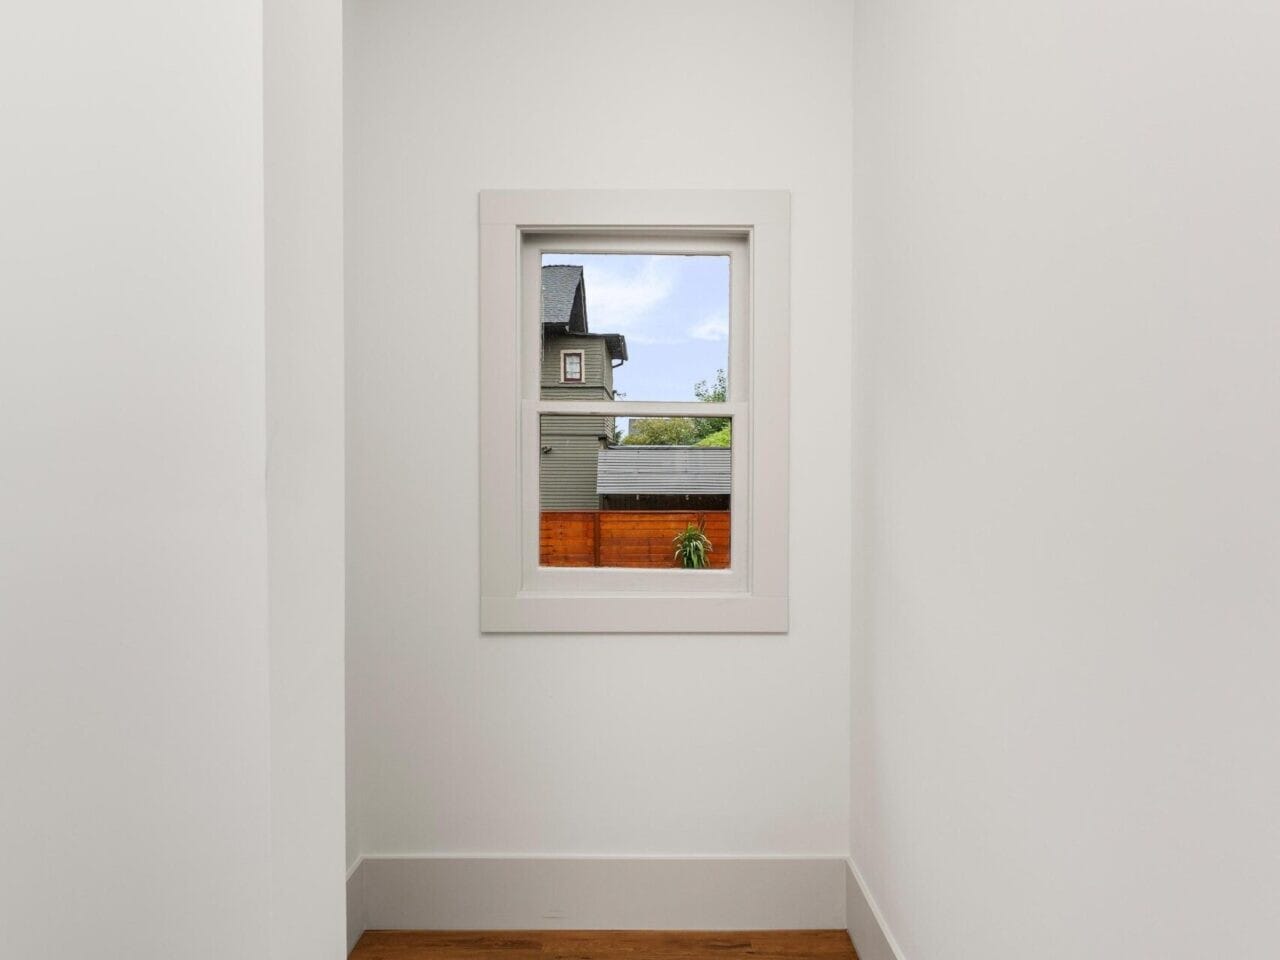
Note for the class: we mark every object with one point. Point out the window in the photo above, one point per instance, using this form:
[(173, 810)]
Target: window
[(571, 366), (634, 409)]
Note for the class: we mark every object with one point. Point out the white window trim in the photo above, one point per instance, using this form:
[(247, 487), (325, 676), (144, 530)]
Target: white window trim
[(582, 366), (751, 597)]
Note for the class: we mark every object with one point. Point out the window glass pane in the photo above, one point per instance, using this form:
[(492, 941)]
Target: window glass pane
[(649, 492), (650, 327)]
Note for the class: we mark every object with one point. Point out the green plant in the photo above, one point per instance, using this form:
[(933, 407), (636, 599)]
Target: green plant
[(692, 547), (715, 392), (661, 431), (721, 438), (685, 431)]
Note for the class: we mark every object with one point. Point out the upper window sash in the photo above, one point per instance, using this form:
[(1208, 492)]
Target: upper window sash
[(733, 243)]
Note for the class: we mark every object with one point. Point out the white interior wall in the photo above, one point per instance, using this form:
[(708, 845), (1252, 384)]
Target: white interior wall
[(626, 745), (134, 719), (302, 60), (1062, 731), (1064, 702)]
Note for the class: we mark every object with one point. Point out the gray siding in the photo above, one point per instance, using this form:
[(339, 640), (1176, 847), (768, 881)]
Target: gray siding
[(571, 391), (567, 425), (568, 477), (597, 369)]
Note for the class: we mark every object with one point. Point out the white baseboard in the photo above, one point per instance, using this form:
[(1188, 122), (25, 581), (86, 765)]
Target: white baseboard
[(868, 931), (543, 893), (355, 904)]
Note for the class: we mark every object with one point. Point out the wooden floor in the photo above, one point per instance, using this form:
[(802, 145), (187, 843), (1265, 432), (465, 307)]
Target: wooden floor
[(603, 945)]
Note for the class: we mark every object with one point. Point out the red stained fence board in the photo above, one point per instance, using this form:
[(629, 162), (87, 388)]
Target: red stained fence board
[(626, 538)]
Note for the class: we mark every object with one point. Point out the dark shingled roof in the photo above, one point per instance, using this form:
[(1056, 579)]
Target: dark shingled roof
[(564, 298), (564, 306)]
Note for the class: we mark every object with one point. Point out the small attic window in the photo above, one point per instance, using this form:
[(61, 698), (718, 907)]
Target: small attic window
[(571, 366)]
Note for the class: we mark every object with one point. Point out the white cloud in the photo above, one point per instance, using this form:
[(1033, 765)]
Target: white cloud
[(645, 339), (715, 327), (616, 302)]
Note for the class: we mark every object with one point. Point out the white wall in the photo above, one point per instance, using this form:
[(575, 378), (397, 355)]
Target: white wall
[(581, 744), (134, 721), (1065, 713), (302, 56)]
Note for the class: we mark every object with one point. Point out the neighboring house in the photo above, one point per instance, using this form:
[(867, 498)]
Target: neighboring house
[(582, 468), (576, 365)]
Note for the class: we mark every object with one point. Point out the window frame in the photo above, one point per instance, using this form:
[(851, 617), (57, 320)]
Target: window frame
[(750, 596), (564, 369), (731, 243)]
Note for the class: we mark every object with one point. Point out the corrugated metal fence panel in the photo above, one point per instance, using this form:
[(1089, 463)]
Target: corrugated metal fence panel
[(626, 538), (659, 470)]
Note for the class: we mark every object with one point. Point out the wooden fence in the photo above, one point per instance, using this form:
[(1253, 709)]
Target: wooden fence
[(626, 538)]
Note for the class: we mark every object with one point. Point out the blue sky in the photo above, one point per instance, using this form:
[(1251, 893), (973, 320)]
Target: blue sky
[(673, 310)]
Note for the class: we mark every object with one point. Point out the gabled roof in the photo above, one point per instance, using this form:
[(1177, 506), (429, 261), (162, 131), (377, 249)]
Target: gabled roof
[(564, 306), (663, 470), (564, 298)]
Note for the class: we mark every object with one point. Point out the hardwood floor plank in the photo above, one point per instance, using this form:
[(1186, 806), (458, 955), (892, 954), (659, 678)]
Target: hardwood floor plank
[(603, 945)]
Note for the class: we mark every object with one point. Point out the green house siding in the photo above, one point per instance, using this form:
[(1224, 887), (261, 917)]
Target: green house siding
[(568, 445), (568, 474), (597, 371), (567, 478)]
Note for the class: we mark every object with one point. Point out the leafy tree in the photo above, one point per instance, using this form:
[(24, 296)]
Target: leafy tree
[(686, 431), (718, 439), (715, 392), (661, 431)]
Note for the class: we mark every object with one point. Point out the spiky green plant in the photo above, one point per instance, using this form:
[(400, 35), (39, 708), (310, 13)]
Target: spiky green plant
[(692, 547)]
